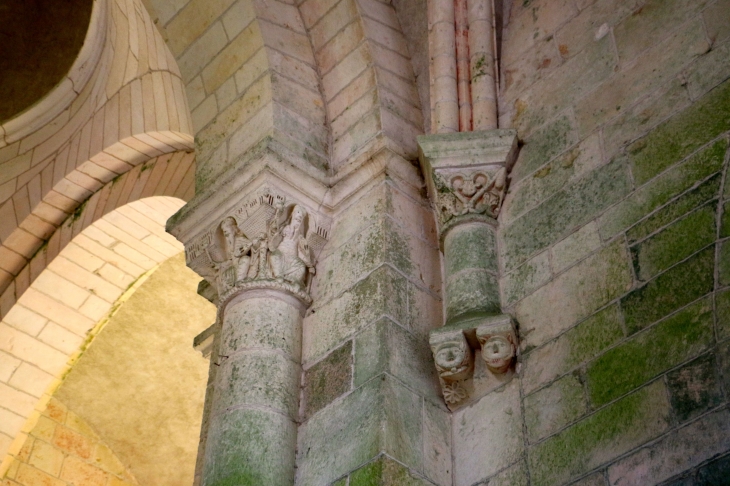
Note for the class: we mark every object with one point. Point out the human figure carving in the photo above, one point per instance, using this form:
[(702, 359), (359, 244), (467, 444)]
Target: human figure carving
[(290, 256)]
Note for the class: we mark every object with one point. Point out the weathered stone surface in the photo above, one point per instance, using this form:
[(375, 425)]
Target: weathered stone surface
[(671, 290), (385, 472), (675, 243), (576, 346), (572, 206), (695, 387), (649, 353), (575, 247), (385, 347), (662, 189), (677, 452), (327, 380), (526, 278), (554, 407), (382, 293), (543, 145), (470, 246), (675, 209), (725, 224), (709, 70), (437, 443), (679, 136), (601, 437), (258, 378), (377, 417), (245, 447), (591, 284), (531, 190), (722, 302), (513, 476), (471, 291), (487, 435)]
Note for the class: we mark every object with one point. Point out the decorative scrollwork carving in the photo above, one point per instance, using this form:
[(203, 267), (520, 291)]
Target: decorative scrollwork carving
[(475, 192)]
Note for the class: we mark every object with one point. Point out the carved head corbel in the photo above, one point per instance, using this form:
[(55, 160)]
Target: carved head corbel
[(499, 345)]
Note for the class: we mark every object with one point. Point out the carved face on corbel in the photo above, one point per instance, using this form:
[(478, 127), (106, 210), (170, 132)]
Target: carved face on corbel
[(499, 346), (452, 355)]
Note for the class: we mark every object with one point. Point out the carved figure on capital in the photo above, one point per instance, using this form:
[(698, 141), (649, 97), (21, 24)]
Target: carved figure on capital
[(291, 257), (499, 345)]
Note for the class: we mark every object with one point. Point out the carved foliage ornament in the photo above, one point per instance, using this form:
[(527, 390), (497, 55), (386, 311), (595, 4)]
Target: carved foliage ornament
[(469, 192), (271, 248)]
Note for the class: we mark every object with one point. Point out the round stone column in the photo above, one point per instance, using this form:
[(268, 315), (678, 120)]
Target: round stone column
[(253, 430)]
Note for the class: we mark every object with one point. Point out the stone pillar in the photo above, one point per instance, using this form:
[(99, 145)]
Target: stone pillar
[(257, 250), (466, 174)]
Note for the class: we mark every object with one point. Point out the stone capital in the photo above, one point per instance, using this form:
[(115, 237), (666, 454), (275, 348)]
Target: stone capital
[(263, 236), (466, 174)]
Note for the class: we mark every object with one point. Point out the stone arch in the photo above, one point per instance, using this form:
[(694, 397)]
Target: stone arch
[(65, 306), (367, 78), (122, 108)]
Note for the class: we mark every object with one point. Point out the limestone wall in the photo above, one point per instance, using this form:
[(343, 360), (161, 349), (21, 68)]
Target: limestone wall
[(614, 247)]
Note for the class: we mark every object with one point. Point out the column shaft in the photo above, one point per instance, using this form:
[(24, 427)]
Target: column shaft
[(483, 67), (252, 432)]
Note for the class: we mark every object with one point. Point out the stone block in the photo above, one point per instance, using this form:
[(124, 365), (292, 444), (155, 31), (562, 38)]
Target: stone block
[(526, 278), (379, 417), (695, 388), (513, 476), (437, 443), (723, 264), (385, 347), (575, 247), (332, 21), (533, 65), (246, 447), (675, 243), (663, 189), (46, 458), (233, 56), (31, 476), (199, 54), (653, 20), (722, 302), (581, 290), (725, 224), (652, 68), (71, 442), (709, 70), (677, 208), (601, 437), (647, 354), (714, 472), (543, 145), (192, 21), (682, 134), (573, 206), (382, 293), (386, 472), (671, 290), (676, 452), (327, 380), (717, 19), (487, 435), (575, 78), (382, 242), (554, 407)]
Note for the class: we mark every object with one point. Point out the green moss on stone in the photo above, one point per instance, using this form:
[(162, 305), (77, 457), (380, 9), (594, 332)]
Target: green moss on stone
[(593, 335), (650, 353), (601, 437), (671, 290), (553, 407), (471, 292), (722, 303), (385, 472), (675, 243), (546, 144), (470, 246), (725, 225), (679, 136), (676, 209), (662, 189), (724, 264), (328, 379), (569, 208), (694, 388)]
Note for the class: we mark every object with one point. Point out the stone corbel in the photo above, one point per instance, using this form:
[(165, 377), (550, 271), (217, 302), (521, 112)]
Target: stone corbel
[(454, 348)]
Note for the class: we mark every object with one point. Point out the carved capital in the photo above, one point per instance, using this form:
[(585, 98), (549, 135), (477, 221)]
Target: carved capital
[(265, 242), (466, 173)]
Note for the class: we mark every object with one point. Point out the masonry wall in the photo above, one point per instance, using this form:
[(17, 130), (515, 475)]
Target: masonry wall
[(614, 250)]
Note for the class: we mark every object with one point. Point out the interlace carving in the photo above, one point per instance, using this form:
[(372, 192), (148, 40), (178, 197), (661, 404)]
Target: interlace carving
[(476, 192)]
